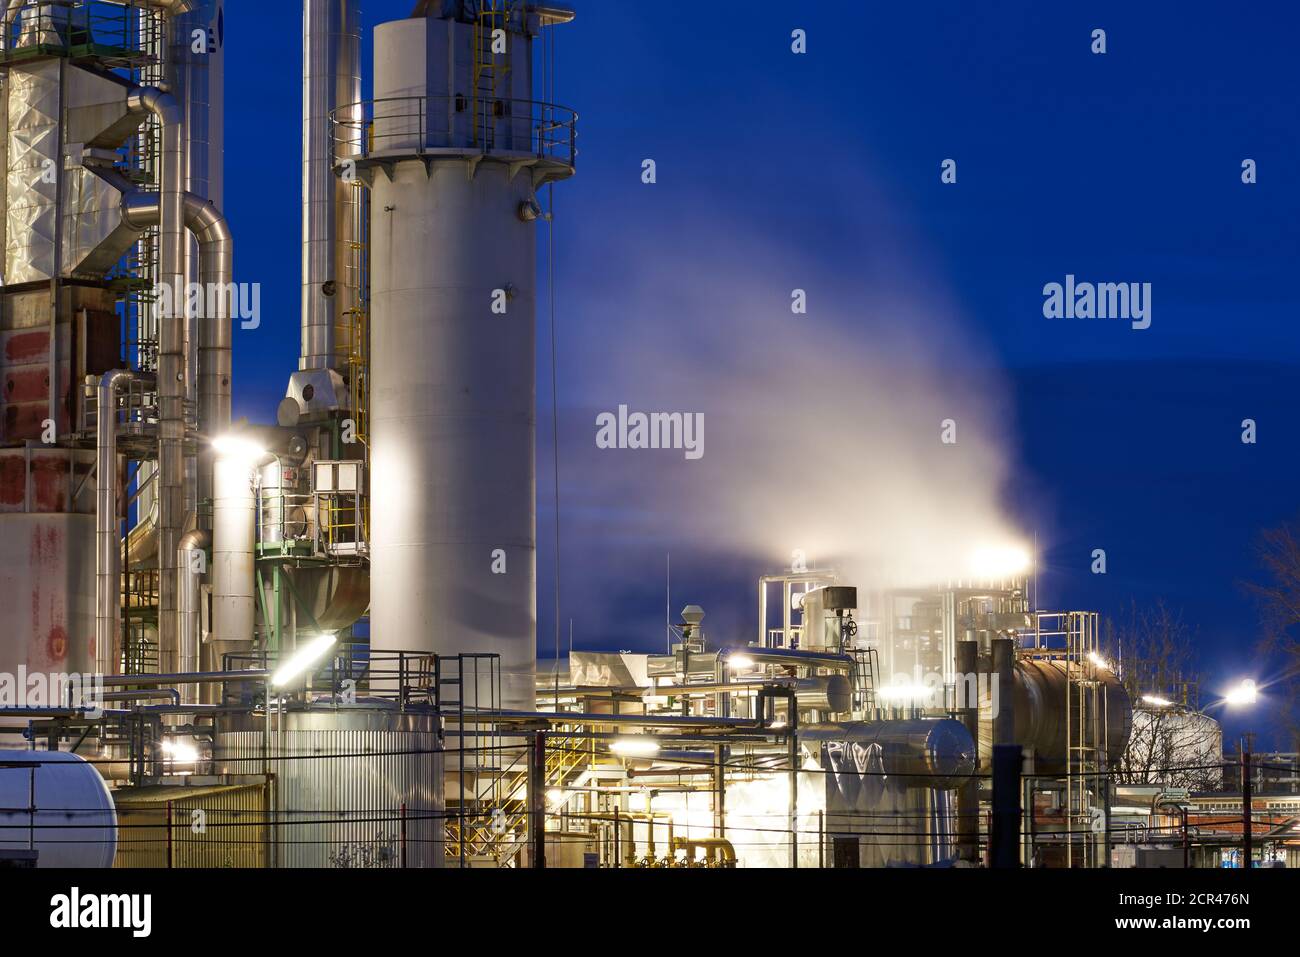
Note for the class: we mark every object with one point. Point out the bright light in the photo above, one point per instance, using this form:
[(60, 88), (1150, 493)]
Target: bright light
[(179, 752), (1244, 694), (555, 796), (903, 692), (635, 747), (1098, 660), (996, 562), (1156, 700), (740, 663), (302, 659), (238, 448)]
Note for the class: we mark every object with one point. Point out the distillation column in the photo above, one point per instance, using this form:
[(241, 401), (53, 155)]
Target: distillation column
[(458, 152)]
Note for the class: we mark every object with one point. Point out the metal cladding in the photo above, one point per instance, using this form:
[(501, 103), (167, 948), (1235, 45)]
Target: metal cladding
[(453, 405), (1045, 705), (75, 824), (234, 520), (331, 79), (379, 804)]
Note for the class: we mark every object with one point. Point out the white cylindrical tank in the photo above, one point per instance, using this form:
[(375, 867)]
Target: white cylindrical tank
[(453, 292), (75, 823), (233, 534)]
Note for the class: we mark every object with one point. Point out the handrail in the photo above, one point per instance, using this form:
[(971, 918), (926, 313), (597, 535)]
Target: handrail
[(418, 125)]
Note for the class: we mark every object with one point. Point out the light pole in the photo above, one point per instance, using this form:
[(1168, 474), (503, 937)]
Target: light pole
[(1244, 695)]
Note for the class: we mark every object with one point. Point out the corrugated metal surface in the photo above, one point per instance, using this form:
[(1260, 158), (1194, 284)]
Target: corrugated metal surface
[(349, 796), (217, 827)]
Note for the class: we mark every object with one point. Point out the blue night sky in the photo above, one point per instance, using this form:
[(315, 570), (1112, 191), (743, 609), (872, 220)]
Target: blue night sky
[(1123, 167)]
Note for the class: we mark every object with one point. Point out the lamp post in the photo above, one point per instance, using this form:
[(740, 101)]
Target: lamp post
[(1244, 695)]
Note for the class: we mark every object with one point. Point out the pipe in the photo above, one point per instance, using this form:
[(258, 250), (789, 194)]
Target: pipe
[(968, 827), (216, 275), (202, 677), (187, 589), (233, 543), (12, 10), (331, 79), (108, 537), (1004, 673), (171, 358)]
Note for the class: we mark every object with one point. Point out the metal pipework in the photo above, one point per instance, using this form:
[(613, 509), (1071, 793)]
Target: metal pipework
[(187, 589), (171, 358), (108, 537), (828, 693), (216, 274), (331, 80), (234, 519)]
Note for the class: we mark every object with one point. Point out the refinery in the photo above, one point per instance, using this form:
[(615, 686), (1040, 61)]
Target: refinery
[(222, 647)]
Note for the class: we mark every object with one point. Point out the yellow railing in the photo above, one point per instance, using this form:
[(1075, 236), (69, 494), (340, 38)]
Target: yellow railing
[(508, 821)]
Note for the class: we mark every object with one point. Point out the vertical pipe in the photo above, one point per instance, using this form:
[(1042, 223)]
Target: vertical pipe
[(331, 81), (233, 535), (537, 798), (1004, 673), (1005, 833), (171, 360), (187, 589), (108, 536), (968, 792), (1247, 808)]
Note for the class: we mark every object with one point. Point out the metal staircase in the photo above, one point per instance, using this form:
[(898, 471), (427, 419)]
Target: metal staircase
[(493, 825)]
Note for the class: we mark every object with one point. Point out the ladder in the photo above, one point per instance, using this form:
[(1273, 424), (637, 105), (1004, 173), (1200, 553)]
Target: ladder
[(491, 67)]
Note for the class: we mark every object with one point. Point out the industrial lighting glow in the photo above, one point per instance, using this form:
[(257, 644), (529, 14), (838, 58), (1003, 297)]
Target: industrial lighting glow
[(237, 448), (740, 662), (179, 752), (1245, 693), (635, 747), (1005, 561), (555, 796), (302, 659), (903, 692), (1156, 700), (1098, 660)]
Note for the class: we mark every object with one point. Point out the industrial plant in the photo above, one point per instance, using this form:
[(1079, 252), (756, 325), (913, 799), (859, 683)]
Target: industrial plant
[(312, 641)]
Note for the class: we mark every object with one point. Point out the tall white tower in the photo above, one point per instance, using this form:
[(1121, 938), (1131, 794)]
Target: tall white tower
[(456, 155)]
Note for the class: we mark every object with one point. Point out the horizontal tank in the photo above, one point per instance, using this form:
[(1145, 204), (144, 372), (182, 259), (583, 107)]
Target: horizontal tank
[(75, 824), (1043, 720)]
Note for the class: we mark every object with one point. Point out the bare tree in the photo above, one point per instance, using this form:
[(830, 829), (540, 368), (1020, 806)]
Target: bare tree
[(1172, 743), (1278, 595)]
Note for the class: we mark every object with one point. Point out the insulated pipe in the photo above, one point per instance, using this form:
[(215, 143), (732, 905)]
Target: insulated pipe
[(1004, 673), (171, 358), (233, 538), (108, 535), (331, 80), (11, 16), (216, 275), (968, 828), (187, 589)]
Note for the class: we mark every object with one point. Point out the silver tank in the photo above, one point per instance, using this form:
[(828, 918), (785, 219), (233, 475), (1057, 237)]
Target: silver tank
[(1043, 720), (453, 405), (358, 787)]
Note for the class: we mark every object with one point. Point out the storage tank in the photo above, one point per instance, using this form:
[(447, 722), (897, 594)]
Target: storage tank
[(1043, 720), (75, 824), (361, 786), (455, 159)]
